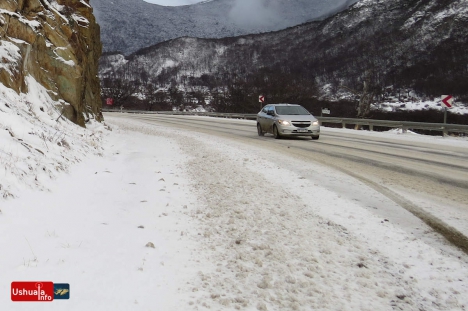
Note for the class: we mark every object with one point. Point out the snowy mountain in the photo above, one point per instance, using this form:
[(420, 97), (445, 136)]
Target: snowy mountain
[(392, 44), (128, 26)]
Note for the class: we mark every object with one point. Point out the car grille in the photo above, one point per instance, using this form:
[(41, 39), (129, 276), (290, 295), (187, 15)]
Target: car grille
[(301, 124)]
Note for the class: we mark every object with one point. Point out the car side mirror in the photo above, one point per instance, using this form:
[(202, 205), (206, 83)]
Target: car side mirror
[(270, 113)]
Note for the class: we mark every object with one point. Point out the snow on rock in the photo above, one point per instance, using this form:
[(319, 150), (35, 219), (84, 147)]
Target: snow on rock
[(31, 23), (80, 20), (10, 55), (68, 29)]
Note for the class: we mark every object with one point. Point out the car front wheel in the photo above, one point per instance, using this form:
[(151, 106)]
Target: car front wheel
[(276, 133), (315, 137), (259, 130)]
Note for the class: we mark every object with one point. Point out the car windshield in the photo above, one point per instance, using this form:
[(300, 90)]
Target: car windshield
[(291, 110)]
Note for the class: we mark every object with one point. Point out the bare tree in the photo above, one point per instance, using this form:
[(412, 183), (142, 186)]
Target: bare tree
[(119, 90), (366, 96)]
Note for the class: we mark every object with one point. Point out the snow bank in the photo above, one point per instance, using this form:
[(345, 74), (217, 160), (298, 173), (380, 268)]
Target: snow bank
[(36, 142)]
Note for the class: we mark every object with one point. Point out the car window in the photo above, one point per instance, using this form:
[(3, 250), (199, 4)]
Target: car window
[(271, 108), (291, 110), (265, 109)]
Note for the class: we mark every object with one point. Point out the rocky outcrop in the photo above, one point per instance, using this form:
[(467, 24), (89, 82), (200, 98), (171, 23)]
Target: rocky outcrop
[(57, 42)]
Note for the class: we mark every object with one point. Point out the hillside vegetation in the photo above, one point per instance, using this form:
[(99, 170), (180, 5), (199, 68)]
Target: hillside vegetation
[(374, 49)]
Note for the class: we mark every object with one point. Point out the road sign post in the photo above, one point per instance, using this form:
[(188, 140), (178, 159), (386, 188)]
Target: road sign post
[(261, 100), (447, 101)]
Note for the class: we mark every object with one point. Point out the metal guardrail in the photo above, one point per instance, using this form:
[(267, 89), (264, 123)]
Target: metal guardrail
[(445, 128), (245, 116), (405, 125)]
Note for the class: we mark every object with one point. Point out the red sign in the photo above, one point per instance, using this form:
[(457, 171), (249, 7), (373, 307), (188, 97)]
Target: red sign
[(261, 99), (32, 291), (110, 101), (447, 100)]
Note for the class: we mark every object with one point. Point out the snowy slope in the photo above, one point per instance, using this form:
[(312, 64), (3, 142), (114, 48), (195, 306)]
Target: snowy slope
[(36, 142), (217, 244)]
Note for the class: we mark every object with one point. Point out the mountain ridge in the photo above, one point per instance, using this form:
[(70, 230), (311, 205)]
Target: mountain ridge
[(418, 45), (129, 27)]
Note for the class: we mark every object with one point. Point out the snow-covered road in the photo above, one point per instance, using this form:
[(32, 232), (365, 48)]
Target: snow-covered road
[(232, 228)]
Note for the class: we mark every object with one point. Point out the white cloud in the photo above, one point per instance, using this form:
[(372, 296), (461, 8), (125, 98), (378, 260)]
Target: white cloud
[(256, 13)]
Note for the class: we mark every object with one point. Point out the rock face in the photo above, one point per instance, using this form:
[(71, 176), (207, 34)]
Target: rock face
[(57, 42)]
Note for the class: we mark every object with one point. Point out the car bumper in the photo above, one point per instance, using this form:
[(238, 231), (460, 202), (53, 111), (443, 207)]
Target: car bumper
[(295, 131)]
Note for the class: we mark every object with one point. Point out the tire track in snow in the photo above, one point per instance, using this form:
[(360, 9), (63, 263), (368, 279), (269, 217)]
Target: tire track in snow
[(453, 235), (273, 253), (269, 249)]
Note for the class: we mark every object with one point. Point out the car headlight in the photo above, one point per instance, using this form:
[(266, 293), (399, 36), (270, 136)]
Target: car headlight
[(283, 122), (315, 123)]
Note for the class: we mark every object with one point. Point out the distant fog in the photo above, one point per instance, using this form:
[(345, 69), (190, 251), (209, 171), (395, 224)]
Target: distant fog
[(249, 14), (256, 13)]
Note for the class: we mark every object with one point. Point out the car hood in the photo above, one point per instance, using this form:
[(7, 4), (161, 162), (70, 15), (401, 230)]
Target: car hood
[(297, 117)]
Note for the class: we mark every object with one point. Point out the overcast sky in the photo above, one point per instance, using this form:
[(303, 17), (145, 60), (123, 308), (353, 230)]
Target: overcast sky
[(173, 2)]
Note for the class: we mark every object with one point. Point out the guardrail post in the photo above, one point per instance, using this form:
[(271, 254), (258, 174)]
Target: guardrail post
[(371, 127), (343, 124), (404, 130)]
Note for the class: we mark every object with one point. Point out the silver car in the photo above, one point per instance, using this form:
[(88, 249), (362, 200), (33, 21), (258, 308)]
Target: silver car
[(287, 120)]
